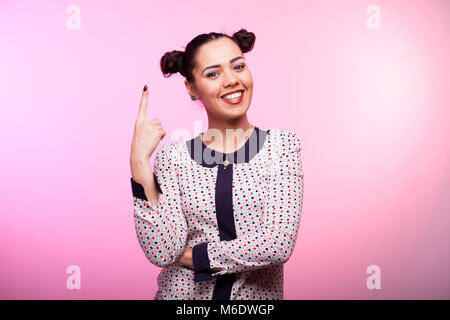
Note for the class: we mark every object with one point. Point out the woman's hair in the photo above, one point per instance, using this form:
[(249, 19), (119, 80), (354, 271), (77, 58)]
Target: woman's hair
[(184, 62)]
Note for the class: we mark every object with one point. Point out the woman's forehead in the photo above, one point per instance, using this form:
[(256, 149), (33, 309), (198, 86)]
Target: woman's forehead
[(219, 51)]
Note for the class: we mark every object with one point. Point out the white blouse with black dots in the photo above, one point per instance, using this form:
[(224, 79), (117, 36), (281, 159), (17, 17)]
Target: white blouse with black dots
[(242, 217)]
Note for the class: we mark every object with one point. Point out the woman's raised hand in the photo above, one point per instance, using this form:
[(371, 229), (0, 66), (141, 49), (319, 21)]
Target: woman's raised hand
[(147, 135), (147, 132)]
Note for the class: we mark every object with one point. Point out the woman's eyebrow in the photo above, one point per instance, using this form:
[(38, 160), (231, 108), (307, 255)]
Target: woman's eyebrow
[(218, 65)]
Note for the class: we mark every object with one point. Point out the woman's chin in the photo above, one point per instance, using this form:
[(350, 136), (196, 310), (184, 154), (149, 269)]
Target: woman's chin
[(236, 111)]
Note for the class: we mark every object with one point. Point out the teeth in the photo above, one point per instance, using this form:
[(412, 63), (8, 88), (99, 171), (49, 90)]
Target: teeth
[(233, 95)]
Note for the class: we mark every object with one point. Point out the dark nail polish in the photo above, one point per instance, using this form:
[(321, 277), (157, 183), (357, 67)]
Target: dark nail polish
[(145, 88)]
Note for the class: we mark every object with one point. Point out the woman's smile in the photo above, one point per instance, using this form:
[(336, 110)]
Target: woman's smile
[(235, 98)]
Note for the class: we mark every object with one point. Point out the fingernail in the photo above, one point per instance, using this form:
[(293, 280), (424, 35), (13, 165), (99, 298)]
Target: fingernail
[(145, 88)]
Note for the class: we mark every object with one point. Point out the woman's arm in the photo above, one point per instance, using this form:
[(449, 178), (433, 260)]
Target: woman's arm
[(149, 185), (161, 226)]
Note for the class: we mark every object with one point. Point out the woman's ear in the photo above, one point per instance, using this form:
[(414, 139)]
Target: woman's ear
[(190, 88)]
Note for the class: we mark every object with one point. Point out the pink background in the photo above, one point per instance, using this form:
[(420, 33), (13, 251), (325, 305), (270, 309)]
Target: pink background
[(371, 108)]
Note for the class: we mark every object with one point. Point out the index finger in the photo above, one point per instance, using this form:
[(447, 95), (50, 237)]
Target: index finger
[(144, 103)]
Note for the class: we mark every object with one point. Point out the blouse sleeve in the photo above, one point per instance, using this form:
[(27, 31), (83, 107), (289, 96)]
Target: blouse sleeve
[(274, 241), (161, 229)]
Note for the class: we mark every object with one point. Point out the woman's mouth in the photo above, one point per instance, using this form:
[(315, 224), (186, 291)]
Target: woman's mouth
[(234, 98)]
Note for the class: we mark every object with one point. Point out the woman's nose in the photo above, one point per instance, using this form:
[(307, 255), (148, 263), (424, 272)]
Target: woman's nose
[(230, 78)]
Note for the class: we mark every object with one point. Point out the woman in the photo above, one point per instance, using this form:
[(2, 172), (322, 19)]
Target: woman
[(220, 213)]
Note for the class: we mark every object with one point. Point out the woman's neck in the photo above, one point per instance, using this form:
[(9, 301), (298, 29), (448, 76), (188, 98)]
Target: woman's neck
[(227, 137)]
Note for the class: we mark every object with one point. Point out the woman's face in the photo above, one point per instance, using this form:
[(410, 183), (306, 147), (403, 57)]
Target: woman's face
[(221, 69)]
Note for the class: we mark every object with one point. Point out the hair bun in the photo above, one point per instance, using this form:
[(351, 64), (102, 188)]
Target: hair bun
[(171, 63), (245, 39)]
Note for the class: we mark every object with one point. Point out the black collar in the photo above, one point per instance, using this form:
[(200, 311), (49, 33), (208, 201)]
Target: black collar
[(211, 158)]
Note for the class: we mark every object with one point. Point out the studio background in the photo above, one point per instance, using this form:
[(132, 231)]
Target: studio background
[(368, 95)]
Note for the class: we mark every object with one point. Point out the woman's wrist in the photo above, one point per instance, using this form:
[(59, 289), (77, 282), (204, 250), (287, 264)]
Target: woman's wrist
[(185, 260), (188, 261)]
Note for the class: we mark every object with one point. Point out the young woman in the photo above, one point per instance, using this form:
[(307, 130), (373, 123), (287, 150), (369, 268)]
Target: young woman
[(220, 213)]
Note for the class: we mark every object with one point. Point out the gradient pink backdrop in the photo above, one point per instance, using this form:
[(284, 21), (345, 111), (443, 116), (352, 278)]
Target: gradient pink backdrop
[(371, 108)]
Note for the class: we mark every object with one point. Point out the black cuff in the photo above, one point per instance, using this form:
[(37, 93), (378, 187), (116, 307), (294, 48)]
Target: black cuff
[(200, 260), (138, 189)]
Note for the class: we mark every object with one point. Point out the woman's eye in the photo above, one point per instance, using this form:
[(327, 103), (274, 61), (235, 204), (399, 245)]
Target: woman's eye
[(209, 75)]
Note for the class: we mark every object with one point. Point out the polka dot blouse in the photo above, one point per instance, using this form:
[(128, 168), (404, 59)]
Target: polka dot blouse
[(240, 212)]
